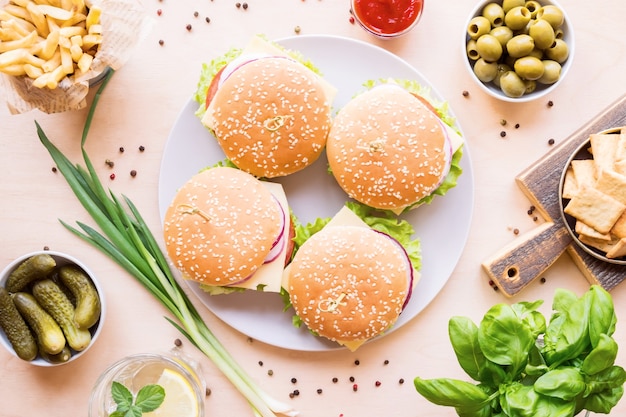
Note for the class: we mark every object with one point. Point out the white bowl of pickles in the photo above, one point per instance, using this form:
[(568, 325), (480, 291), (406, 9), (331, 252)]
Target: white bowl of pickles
[(518, 50), (51, 308)]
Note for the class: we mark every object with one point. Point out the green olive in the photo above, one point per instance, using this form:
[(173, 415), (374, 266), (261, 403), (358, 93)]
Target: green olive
[(531, 85), (552, 14), (485, 71), (502, 33), (502, 69), (489, 48), (494, 14), (558, 52), (472, 52), (533, 7), (520, 45), (559, 33), (517, 18), (551, 72), (537, 53), (529, 68), (512, 85), (542, 33), (478, 26), (509, 4)]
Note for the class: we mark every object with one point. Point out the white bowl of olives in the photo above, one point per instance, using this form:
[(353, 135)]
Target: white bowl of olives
[(518, 50), (51, 308)]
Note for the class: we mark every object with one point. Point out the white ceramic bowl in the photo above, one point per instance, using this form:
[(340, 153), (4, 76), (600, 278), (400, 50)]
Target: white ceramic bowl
[(542, 89), (61, 259)]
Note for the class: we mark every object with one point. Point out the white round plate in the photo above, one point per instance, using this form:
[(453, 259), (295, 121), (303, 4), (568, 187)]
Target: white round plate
[(442, 226)]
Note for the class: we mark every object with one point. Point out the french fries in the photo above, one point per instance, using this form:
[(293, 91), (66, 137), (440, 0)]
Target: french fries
[(47, 40)]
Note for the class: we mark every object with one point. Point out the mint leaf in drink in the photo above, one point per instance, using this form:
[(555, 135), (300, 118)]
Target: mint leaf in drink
[(150, 397), (122, 396)]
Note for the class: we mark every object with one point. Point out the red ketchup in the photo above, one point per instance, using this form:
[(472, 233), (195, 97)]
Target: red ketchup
[(387, 18)]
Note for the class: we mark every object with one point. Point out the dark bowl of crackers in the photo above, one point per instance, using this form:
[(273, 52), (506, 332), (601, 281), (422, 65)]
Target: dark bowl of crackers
[(592, 194)]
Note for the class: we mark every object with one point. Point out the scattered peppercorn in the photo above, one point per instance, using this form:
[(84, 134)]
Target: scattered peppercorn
[(502, 133), (335, 380), (238, 5), (112, 176), (297, 29), (535, 218), (54, 169), (207, 19), (516, 231), (319, 390), (550, 103), (401, 381), (142, 148), (161, 42), (355, 387), (357, 362), (503, 122), (543, 280), (196, 14), (250, 340), (551, 141), (109, 163), (294, 380), (291, 395), (465, 93), (133, 173), (491, 283), (121, 149), (377, 383), (296, 392), (270, 372), (517, 125), (386, 362), (351, 20), (351, 379), (260, 363), (159, 12), (46, 247), (188, 27), (245, 6), (207, 392), (178, 342)]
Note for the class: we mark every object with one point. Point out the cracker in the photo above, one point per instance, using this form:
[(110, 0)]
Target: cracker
[(584, 229), (612, 184), (619, 228), (618, 250), (570, 186), (620, 166), (604, 148), (595, 209), (584, 172), (601, 245)]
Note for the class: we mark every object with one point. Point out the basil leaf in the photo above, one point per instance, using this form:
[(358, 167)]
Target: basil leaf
[(563, 299), (504, 339), (602, 317), (536, 364), (519, 400), (604, 401), (122, 396), (602, 356), (452, 393), (567, 335), (564, 383), (150, 397), (463, 335)]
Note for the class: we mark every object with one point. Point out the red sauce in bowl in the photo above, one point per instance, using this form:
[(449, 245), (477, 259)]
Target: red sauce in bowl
[(387, 18)]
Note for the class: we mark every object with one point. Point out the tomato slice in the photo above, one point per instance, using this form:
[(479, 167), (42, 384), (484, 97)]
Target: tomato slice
[(210, 93), (427, 104)]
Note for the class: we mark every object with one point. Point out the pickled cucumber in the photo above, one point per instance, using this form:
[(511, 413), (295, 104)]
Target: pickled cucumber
[(16, 329), (47, 332), (33, 268), (55, 302), (87, 310), (60, 357)]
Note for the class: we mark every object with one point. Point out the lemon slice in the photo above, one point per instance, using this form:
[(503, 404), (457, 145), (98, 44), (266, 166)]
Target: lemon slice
[(180, 397)]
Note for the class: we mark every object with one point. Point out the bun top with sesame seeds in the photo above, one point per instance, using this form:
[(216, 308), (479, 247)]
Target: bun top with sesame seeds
[(271, 116), (387, 149), (349, 283), (221, 226)]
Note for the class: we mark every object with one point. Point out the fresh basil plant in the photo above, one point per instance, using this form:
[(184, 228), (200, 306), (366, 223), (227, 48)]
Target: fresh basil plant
[(526, 366)]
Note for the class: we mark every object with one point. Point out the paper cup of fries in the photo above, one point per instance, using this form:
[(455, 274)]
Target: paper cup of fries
[(593, 196), (52, 50)]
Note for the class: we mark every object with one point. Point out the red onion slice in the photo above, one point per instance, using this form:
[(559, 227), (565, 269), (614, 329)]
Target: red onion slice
[(409, 265)]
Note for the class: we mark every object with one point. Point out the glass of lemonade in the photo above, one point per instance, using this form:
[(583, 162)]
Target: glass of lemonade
[(178, 375)]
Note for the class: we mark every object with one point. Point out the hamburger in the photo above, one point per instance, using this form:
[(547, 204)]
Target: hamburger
[(349, 282), (227, 230), (391, 149), (270, 113)]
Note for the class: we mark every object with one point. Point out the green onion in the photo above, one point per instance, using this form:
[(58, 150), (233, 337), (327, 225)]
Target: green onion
[(126, 238)]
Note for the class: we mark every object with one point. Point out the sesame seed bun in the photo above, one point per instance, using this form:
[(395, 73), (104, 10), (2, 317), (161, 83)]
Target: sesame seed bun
[(221, 226), (387, 150), (271, 116), (365, 271)]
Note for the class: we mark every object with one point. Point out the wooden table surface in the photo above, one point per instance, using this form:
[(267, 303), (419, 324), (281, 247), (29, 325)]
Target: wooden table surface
[(140, 106)]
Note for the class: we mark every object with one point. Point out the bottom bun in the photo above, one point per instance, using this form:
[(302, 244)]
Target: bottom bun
[(349, 283)]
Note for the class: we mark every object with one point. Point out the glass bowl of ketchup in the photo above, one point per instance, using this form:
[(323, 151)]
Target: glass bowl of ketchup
[(387, 18)]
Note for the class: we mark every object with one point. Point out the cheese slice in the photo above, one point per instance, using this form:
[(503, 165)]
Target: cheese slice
[(256, 48)]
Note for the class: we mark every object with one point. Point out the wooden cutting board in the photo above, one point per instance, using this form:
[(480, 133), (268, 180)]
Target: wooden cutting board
[(529, 255)]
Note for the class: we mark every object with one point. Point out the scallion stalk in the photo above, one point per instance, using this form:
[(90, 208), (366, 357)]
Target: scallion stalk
[(126, 239)]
